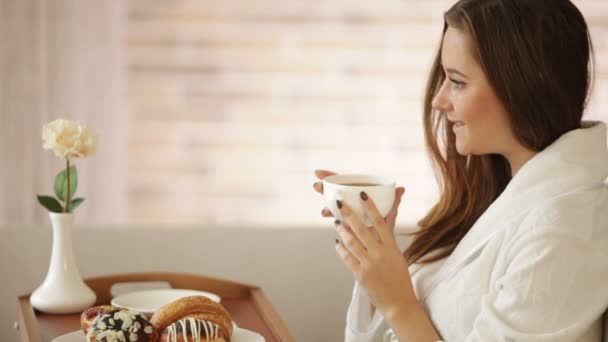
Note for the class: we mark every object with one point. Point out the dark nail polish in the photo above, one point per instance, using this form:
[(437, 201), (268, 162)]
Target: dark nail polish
[(363, 195), (337, 242), (337, 222), (339, 203)]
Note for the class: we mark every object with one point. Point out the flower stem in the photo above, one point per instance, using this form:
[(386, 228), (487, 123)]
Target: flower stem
[(67, 197)]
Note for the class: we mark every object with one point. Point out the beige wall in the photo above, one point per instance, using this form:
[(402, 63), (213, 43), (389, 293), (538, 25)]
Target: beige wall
[(233, 104), (22, 97), (61, 58)]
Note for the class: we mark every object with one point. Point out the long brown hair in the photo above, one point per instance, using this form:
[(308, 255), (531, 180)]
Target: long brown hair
[(538, 59)]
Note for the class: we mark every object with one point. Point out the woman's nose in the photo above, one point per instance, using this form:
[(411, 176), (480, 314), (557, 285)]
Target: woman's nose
[(441, 101)]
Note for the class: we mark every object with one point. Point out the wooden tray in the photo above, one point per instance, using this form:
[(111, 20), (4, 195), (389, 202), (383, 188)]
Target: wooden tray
[(248, 306)]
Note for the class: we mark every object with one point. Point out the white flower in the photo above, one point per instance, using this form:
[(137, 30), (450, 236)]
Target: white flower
[(68, 139)]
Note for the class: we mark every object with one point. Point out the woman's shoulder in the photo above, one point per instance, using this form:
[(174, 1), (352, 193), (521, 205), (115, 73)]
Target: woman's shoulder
[(572, 227), (581, 214)]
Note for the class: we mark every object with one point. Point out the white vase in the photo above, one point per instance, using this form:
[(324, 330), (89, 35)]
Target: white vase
[(63, 290)]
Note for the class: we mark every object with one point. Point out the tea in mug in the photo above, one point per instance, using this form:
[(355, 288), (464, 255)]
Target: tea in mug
[(360, 184)]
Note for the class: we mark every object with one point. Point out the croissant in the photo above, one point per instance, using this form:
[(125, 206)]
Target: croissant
[(193, 319), (107, 323)]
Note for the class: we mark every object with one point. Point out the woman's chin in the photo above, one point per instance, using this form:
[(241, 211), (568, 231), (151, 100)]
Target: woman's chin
[(462, 150)]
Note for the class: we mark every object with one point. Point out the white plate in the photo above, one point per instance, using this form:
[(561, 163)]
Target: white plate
[(148, 301), (238, 335)]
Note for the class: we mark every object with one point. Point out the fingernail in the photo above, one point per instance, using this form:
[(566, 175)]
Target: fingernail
[(337, 242), (322, 211), (337, 222), (339, 204), (363, 195)]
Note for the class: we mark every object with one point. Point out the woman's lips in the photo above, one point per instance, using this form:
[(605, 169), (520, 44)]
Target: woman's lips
[(457, 126)]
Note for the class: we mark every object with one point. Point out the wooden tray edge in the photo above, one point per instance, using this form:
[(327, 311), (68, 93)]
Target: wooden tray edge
[(27, 321), (270, 316)]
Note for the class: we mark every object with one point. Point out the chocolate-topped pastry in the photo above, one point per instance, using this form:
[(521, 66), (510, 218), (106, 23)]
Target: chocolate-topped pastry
[(88, 316), (193, 319), (121, 325)]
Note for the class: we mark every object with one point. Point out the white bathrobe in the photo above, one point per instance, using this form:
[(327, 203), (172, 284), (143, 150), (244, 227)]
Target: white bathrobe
[(534, 267)]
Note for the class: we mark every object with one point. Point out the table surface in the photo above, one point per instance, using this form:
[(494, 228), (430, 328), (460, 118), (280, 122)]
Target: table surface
[(243, 311)]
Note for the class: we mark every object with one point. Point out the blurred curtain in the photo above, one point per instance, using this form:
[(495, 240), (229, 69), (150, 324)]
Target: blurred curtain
[(61, 59)]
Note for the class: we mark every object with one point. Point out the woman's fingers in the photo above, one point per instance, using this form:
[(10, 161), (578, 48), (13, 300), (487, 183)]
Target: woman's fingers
[(326, 213), (379, 223), (351, 242), (323, 173), (348, 259), (392, 215), (359, 229), (318, 186)]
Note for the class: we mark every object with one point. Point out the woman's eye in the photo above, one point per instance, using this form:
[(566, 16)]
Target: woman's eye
[(457, 84)]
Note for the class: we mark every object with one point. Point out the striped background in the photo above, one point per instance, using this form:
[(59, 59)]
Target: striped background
[(233, 104)]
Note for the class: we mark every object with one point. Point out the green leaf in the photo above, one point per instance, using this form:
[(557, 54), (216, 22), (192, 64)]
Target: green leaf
[(50, 203), (61, 183), (74, 203)]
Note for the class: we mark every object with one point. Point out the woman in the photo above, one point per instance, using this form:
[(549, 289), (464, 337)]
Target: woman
[(516, 249)]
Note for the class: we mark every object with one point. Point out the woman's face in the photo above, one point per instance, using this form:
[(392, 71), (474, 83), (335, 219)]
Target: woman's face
[(479, 120)]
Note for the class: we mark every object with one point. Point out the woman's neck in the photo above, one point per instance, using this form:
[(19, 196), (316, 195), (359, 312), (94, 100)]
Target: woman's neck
[(518, 158)]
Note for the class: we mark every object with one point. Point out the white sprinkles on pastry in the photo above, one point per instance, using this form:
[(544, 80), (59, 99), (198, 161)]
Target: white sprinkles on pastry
[(120, 326)]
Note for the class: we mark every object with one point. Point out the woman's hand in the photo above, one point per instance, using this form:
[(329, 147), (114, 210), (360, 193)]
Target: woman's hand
[(371, 254), (375, 259)]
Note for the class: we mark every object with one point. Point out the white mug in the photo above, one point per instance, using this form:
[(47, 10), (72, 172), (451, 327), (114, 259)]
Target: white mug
[(347, 188)]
